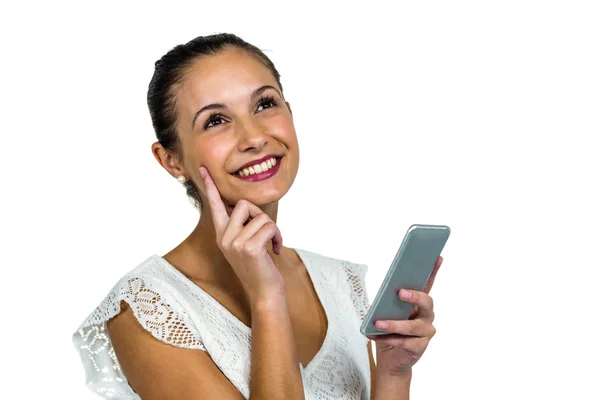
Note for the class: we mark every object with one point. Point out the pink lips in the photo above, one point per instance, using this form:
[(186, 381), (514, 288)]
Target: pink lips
[(263, 175), (265, 158)]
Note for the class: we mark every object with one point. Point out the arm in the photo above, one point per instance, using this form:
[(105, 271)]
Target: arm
[(408, 339), (373, 370), (159, 371), (275, 368), (393, 389), (384, 389), (156, 370)]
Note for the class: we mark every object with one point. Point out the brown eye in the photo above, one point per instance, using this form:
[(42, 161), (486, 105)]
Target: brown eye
[(213, 119), (267, 102)]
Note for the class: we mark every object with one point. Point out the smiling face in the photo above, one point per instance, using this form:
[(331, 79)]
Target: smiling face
[(230, 112)]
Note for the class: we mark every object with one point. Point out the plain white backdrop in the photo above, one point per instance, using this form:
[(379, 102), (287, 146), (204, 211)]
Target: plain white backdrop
[(483, 116)]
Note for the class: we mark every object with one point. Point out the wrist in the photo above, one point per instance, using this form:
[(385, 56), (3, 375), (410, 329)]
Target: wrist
[(268, 302), (393, 386)]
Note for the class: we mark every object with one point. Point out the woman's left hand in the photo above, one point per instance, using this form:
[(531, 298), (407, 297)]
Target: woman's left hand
[(399, 351)]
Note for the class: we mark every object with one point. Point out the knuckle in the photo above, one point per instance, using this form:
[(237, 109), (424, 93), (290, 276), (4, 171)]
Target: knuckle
[(264, 218), (223, 244), (266, 223), (419, 328), (251, 249), (255, 251), (242, 203), (410, 328), (425, 300), (237, 245)]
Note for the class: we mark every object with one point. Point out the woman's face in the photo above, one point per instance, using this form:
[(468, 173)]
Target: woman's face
[(231, 113)]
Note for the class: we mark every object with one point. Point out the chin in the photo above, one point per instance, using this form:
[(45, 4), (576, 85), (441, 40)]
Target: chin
[(262, 198)]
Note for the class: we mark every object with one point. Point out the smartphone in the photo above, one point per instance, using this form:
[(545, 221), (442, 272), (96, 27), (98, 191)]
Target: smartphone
[(411, 268)]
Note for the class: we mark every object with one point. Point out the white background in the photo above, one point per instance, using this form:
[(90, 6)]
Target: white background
[(476, 114)]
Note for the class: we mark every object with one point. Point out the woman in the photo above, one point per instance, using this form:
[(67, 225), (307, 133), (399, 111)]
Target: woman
[(231, 313)]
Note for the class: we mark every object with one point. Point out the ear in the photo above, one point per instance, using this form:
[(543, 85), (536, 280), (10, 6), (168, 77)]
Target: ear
[(167, 160), (289, 108)]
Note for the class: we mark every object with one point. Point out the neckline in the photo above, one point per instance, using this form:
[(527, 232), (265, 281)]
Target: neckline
[(302, 254)]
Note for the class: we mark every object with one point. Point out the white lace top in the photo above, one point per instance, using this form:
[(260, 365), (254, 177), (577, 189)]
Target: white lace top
[(178, 312)]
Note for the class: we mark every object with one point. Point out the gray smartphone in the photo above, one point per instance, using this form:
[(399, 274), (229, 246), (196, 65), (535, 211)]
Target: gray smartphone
[(411, 268)]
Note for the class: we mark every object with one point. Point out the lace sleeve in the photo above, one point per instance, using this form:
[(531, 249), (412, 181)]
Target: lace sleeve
[(155, 308), (356, 278)]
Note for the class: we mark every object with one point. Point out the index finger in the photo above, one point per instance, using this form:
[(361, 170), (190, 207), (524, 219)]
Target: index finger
[(422, 300), (431, 279), (217, 207)]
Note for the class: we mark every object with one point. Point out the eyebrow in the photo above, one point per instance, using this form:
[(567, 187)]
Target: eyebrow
[(213, 106)]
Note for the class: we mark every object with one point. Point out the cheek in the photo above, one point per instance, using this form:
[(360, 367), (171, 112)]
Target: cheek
[(285, 131), (211, 153)]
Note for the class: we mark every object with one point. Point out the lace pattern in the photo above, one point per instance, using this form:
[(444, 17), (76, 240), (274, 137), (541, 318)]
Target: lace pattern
[(176, 311), (225, 338), (341, 370), (155, 310), (356, 278)]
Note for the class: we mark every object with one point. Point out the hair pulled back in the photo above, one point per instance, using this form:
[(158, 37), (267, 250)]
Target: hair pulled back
[(169, 72)]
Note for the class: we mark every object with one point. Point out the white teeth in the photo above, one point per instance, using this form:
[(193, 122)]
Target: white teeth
[(258, 168)]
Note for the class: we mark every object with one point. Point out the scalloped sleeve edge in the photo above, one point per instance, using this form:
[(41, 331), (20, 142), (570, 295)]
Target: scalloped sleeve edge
[(158, 312)]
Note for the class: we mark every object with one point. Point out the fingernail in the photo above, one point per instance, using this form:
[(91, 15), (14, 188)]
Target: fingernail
[(405, 294), (202, 173), (381, 325)]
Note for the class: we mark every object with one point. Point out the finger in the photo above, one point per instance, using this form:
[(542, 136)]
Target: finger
[(406, 328), (414, 345), (216, 205), (243, 210), (420, 299), (431, 279), (389, 340), (250, 230), (415, 313), (254, 211), (268, 231)]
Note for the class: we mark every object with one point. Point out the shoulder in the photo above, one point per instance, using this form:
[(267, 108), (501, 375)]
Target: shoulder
[(153, 293), (110, 305), (352, 270)]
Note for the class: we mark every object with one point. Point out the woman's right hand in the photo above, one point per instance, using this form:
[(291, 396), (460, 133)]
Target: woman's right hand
[(245, 247)]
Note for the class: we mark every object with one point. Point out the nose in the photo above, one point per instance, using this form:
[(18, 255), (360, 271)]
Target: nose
[(252, 137)]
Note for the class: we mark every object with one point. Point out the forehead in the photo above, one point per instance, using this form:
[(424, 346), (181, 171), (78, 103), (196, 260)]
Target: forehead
[(228, 77)]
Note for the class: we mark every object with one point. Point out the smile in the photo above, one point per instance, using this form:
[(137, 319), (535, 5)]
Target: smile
[(259, 171)]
